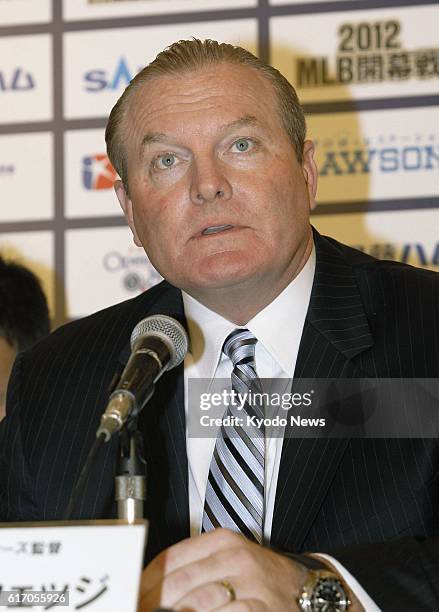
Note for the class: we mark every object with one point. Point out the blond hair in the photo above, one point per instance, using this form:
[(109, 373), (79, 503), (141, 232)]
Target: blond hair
[(188, 56)]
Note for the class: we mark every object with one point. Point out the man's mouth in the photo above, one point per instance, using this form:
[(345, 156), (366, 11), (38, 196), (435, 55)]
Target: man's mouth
[(215, 229)]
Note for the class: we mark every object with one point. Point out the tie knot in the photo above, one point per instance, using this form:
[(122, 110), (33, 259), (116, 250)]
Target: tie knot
[(239, 346)]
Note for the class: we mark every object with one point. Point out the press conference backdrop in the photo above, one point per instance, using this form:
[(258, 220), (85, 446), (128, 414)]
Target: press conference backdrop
[(367, 73)]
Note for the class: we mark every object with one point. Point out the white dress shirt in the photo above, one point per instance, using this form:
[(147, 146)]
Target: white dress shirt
[(278, 329)]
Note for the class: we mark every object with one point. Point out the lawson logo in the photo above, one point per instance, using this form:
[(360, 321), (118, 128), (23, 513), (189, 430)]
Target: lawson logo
[(385, 153), (386, 160), (16, 79), (97, 80)]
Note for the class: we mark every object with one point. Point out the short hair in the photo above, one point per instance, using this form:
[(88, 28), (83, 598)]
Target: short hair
[(187, 56), (24, 315)]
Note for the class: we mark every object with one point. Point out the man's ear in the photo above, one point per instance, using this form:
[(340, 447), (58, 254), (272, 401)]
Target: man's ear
[(310, 172), (127, 207)]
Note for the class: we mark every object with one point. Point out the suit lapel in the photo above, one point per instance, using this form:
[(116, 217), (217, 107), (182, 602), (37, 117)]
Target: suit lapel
[(162, 423), (336, 330)]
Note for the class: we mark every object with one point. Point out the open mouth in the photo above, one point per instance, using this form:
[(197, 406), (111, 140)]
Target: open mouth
[(215, 229)]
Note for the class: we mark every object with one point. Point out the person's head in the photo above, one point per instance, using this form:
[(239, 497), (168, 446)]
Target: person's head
[(206, 136), (188, 56), (24, 317)]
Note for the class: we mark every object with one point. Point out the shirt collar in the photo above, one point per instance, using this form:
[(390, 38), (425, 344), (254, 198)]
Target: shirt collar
[(278, 326)]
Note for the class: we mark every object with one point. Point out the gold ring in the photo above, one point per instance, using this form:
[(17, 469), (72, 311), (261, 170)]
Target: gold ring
[(230, 590)]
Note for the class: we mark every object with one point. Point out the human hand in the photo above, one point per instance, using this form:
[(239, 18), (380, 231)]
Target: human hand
[(206, 573)]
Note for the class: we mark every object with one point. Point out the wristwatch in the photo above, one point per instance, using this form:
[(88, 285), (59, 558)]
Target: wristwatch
[(323, 591)]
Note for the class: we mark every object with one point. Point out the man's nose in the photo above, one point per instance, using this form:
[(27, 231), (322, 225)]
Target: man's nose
[(209, 182)]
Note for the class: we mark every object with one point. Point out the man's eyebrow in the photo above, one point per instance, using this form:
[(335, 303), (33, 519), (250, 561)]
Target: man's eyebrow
[(151, 138), (245, 121)]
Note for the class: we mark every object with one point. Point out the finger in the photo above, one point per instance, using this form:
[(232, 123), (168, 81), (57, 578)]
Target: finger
[(177, 585), (208, 597), (185, 552), (245, 605)]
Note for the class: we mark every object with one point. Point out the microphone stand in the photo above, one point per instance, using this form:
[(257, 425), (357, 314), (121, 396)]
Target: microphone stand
[(130, 479)]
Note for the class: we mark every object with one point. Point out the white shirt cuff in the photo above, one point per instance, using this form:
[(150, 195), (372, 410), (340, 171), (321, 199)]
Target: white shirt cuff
[(368, 604)]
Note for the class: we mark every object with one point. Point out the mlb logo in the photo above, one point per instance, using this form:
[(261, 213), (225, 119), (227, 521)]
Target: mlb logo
[(97, 172)]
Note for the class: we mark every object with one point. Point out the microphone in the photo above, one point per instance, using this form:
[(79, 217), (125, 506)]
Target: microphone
[(158, 344)]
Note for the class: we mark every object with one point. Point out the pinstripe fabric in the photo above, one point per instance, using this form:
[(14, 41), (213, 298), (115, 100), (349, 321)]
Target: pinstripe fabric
[(57, 393), (235, 485), (373, 504)]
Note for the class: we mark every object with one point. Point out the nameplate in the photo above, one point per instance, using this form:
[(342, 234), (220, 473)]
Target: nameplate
[(93, 566)]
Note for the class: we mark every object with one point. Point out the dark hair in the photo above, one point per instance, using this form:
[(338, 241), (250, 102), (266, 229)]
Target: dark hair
[(187, 56), (24, 316)]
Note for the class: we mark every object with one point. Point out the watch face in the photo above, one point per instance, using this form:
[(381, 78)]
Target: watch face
[(329, 596)]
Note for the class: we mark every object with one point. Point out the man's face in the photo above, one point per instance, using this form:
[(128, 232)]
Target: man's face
[(217, 196), (7, 356)]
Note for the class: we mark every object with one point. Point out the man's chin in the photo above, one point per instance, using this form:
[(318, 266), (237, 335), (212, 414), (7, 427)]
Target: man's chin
[(226, 270), (214, 280)]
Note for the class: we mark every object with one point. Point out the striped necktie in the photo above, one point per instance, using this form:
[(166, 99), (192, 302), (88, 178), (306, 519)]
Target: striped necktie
[(235, 486)]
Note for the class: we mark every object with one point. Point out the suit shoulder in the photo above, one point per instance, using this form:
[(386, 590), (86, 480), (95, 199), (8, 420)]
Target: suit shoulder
[(115, 322), (397, 276), (388, 289)]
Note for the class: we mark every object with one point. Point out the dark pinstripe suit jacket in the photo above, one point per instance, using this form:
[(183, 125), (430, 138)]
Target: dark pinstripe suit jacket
[(373, 504)]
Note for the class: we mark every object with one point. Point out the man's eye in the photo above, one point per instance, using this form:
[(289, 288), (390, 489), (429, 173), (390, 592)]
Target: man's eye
[(242, 145), (165, 161)]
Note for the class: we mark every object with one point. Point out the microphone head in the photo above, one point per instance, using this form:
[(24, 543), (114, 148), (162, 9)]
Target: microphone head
[(170, 331)]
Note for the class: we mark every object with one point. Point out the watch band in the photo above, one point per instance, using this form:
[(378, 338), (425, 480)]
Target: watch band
[(311, 563)]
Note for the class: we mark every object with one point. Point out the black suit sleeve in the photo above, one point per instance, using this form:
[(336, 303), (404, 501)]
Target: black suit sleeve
[(398, 575), (17, 495)]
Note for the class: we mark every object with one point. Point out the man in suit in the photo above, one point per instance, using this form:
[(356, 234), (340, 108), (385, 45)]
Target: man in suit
[(217, 181)]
